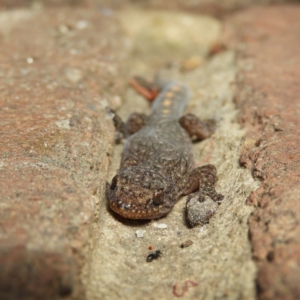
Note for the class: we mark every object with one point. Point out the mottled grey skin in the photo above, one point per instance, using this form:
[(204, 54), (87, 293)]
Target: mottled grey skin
[(157, 165)]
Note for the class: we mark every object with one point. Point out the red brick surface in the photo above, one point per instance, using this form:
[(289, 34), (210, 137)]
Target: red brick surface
[(268, 96), (57, 75)]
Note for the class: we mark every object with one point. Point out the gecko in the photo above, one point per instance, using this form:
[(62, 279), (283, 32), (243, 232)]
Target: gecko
[(157, 165)]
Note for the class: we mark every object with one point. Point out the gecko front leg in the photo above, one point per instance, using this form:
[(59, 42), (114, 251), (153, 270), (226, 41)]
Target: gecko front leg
[(203, 199), (124, 129), (197, 129)]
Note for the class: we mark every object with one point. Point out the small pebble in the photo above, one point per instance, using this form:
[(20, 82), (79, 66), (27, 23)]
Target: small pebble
[(29, 60), (199, 213), (82, 24), (186, 244), (202, 229), (191, 63), (140, 233), (160, 225)]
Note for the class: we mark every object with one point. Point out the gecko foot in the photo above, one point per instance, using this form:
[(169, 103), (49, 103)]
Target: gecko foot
[(210, 191), (197, 129)]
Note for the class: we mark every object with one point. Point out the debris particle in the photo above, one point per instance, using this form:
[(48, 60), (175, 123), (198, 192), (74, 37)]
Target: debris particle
[(116, 101), (186, 244), (29, 60), (74, 75), (185, 288), (63, 124), (150, 248), (82, 24), (140, 233), (64, 29), (160, 225), (155, 255), (191, 63), (202, 229), (216, 49)]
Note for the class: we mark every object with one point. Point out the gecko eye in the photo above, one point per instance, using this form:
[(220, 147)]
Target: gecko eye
[(114, 182), (158, 197)]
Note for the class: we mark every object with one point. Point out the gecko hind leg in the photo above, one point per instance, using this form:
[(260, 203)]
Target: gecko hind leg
[(203, 180), (203, 198), (197, 129)]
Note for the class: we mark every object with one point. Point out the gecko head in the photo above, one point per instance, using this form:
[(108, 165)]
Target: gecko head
[(140, 193)]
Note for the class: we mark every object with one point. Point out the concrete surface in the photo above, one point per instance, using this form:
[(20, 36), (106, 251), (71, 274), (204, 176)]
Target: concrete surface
[(268, 98), (118, 268), (56, 78)]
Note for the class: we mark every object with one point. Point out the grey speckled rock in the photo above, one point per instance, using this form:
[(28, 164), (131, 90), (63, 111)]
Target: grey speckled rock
[(198, 213)]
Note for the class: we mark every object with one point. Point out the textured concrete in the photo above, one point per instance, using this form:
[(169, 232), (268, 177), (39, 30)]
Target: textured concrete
[(118, 265), (268, 97)]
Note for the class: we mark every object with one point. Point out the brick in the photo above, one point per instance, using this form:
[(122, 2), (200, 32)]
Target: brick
[(268, 90), (58, 72)]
